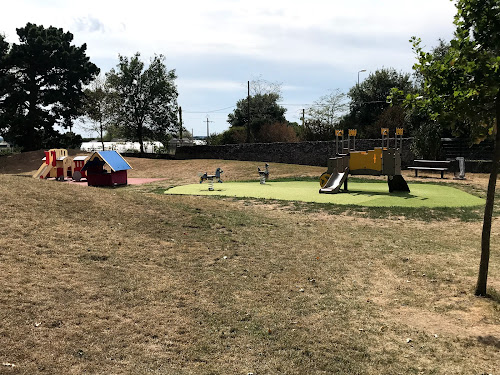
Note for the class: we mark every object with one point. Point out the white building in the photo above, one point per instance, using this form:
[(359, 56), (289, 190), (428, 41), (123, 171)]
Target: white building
[(124, 146), (4, 145)]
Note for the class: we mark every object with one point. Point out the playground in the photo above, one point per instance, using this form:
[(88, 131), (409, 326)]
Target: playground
[(361, 193), (133, 280)]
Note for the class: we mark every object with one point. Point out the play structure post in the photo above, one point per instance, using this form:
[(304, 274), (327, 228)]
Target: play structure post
[(385, 137), (351, 134), (339, 133), (398, 139)]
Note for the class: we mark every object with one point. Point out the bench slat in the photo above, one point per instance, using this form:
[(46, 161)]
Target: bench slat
[(429, 168), (433, 161)]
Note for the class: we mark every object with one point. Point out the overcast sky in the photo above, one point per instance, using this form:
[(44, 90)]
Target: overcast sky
[(312, 47)]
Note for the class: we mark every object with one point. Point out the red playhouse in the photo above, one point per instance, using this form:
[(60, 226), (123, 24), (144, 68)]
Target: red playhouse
[(106, 168)]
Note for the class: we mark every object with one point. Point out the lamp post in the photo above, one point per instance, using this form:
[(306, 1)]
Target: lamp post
[(361, 71)]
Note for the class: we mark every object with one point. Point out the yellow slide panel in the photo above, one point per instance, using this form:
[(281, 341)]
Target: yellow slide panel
[(42, 171), (371, 159)]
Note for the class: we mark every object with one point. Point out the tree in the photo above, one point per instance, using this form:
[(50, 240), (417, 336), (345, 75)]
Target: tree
[(96, 108), (324, 115), (260, 86), (369, 99), (45, 75), (264, 109), (278, 132), (259, 108), (463, 87), (4, 78), (233, 135), (145, 100)]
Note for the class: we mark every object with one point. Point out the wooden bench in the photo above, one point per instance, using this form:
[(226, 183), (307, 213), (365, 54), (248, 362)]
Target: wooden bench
[(434, 165)]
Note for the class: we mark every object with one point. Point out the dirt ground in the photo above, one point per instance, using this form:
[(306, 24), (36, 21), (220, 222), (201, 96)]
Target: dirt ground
[(133, 281)]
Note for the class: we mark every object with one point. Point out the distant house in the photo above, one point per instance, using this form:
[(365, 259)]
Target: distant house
[(3, 144), (106, 168)]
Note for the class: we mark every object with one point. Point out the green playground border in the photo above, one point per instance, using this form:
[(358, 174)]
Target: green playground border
[(361, 193)]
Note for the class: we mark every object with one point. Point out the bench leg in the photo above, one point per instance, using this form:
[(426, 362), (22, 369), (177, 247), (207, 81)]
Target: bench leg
[(442, 174), (416, 172)]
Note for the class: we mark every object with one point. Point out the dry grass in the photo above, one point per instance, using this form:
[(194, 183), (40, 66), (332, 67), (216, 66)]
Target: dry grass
[(122, 281)]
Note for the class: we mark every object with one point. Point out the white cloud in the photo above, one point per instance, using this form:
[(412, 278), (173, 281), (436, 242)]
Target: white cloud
[(217, 45), (208, 84)]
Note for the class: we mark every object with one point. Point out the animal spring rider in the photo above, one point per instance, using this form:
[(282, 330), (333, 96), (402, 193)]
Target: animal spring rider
[(210, 178), (380, 161), (264, 174)]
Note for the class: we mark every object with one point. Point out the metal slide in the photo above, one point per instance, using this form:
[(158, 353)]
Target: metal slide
[(43, 171), (334, 183)]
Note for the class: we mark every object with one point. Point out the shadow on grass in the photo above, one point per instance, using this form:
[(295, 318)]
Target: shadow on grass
[(489, 340), (493, 295), (401, 194)]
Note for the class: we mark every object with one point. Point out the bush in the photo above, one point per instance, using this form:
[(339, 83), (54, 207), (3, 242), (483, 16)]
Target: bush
[(277, 132), (234, 135), (427, 141)]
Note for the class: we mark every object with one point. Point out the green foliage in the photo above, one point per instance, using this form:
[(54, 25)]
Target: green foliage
[(369, 100), (461, 88), (427, 141), (233, 135), (324, 116), (461, 85), (97, 107), (41, 85), (316, 130), (144, 100), (70, 140), (264, 109)]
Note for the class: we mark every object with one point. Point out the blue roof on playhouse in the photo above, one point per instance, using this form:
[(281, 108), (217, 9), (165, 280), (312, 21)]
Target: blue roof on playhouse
[(112, 158)]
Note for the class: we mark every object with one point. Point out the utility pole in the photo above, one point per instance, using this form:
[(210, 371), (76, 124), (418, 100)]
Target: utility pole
[(303, 117), (208, 130), (180, 124)]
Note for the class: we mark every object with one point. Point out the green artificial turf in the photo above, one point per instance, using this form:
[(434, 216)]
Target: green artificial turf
[(374, 194)]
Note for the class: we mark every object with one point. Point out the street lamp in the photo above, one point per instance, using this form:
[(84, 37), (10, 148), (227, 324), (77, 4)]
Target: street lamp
[(362, 70)]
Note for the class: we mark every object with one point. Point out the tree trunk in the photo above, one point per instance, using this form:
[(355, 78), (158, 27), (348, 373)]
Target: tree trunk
[(488, 211), (102, 134), (139, 137)]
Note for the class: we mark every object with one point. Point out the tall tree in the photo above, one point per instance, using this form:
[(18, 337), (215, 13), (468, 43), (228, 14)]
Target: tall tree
[(264, 110), (46, 74), (4, 84), (324, 115), (369, 99), (464, 85), (97, 108), (145, 104)]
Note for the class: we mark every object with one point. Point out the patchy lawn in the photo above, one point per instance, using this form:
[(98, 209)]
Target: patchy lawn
[(128, 281)]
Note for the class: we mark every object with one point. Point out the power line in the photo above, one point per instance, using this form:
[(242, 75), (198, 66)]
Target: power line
[(211, 111)]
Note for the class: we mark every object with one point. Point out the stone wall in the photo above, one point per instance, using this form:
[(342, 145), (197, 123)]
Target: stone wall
[(305, 153)]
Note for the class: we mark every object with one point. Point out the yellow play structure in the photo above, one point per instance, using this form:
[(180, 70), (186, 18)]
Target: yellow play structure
[(57, 164), (381, 161)]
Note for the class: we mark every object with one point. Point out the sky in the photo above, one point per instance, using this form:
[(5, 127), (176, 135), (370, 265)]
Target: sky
[(311, 47)]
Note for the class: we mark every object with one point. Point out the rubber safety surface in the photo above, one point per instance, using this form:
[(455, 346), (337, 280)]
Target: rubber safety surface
[(360, 193)]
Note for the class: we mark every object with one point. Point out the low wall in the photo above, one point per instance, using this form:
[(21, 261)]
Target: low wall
[(305, 153)]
